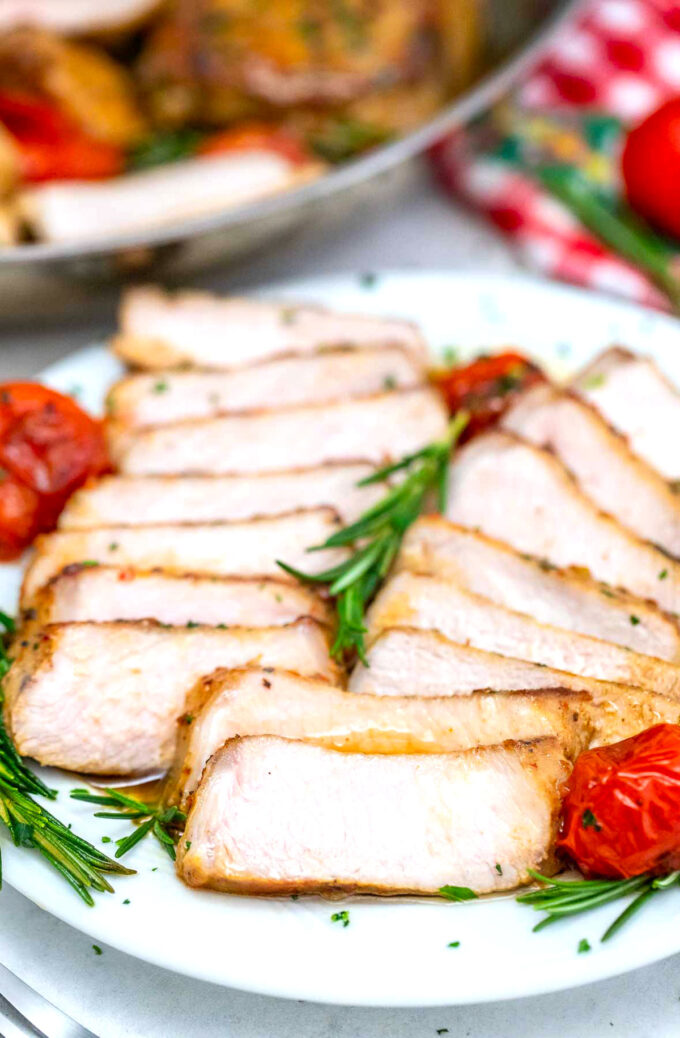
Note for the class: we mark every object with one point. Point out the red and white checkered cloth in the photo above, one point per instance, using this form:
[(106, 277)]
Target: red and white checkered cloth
[(615, 56)]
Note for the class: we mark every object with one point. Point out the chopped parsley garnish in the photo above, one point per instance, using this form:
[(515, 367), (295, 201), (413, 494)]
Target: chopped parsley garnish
[(453, 944), (583, 946), (341, 917), (160, 387), (589, 821), (96, 949), (457, 893), (635, 620), (389, 383), (595, 381), (663, 574), (499, 870)]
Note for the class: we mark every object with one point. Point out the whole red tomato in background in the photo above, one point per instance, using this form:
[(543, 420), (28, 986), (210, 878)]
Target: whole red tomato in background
[(621, 813), (651, 168), (49, 446)]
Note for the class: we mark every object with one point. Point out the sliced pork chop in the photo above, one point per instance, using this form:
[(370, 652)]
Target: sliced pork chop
[(163, 330), (278, 817), (639, 401), (604, 466), (562, 598), (104, 593), (248, 549), (144, 500), (409, 662), (260, 702), (105, 698), (522, 495), (149, 399), (410, 600), (376, 429)]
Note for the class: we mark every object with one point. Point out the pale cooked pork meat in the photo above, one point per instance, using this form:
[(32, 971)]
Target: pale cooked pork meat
[(162, 330), (562, 598), (606, 469), (523, 495), (148, 399), (410, 600), (639, 401), (143, 500), (104, 593), (410, 661), (105, 698), (265, 702), (377, 429), (277, 817), (247, 549)]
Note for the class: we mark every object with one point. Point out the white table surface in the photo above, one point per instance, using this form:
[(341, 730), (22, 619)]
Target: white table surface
[(410, 225)]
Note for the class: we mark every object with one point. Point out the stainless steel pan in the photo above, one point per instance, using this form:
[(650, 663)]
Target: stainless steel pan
[(38, 278)]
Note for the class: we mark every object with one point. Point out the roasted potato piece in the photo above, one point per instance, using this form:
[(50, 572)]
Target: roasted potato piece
[(84, 82)]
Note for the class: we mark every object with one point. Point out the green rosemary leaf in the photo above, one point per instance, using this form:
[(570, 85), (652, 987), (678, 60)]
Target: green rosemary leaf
[(161, 821), (458, 893), (377, 535)]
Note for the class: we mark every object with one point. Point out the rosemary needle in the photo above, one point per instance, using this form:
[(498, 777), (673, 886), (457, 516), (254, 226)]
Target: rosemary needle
[(163, 822), (560, 898), (32, 825), (379, 533)]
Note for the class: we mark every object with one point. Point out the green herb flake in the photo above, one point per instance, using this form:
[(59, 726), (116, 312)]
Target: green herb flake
[(187, 844), (389, 383), (453, 944), (127, 901), (295, 897), (160, 387), (106, 839), (457, 893), (583, 946), (192, 623), (589, 821), (499, 870), (663, 574), (341, 917), (368, 280), (114, 546), (96, 949), (89, 562), (594, 381), (635, 620)]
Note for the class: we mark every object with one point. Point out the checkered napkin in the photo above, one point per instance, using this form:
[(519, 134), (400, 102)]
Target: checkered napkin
[(616, 61)]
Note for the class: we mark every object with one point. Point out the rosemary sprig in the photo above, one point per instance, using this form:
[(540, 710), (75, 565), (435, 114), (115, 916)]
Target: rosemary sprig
[(163, 822), (379, 533), (560, 898), (31, 825)]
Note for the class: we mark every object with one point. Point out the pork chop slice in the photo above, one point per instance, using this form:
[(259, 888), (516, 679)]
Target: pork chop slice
[(160, 329), (376, 429), (563, 598), (409, 662), (243, 549), (105, 698), (606, 469), (428, 603), (639, 401), (144, 500), (102, 593), (144, 399), (273, 816), (265, 702), (524, 496)]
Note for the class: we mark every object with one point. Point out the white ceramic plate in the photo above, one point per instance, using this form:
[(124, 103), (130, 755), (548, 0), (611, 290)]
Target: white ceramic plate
[(394, 952)]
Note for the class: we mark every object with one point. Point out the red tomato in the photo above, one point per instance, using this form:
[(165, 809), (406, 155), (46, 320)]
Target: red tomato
[(651, 168), (256, 137), (49, 446), (51, 147), (486, 387), (621, 814)]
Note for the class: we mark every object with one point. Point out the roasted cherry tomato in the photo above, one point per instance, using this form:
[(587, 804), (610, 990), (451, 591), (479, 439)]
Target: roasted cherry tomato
[(256, 137), (51, 147), (486, 387), (49, 446), (621, 814), (651, 168)]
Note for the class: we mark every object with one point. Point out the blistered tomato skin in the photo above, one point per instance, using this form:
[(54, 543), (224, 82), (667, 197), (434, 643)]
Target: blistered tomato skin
[(49, 446), (486, 387), (621, 813)]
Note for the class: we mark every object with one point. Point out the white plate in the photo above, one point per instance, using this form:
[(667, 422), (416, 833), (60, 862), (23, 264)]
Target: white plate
[(393, 952)]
